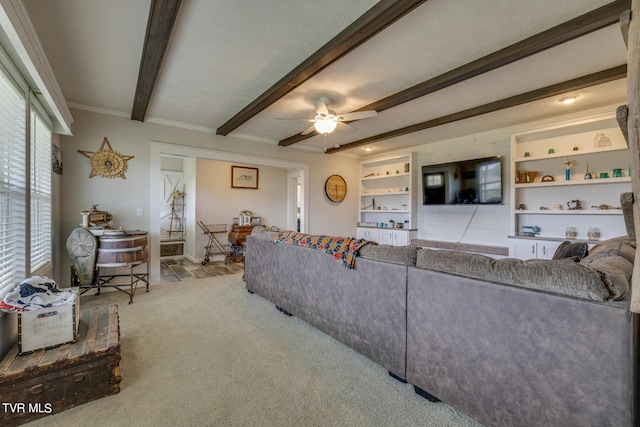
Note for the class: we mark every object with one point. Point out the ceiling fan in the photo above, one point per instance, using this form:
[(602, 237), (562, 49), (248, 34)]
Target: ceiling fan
[(326, 121)]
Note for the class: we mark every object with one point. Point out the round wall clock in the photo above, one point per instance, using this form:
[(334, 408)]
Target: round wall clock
[(335, 188)]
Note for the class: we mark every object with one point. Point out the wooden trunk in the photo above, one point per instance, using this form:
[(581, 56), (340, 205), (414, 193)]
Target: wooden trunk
[(50, 381)]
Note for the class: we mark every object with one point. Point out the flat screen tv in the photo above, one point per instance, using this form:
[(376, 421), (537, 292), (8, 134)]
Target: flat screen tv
[(467, 182)]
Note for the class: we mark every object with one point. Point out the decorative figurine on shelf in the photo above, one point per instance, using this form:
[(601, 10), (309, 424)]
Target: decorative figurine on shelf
[(245, 217), (588, 174), (574, 205), (604, 207), (567, 172), (529, 230)]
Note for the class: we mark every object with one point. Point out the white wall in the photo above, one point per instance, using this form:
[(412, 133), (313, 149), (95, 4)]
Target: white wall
[(122, 197), (218, 203), (486, 224)]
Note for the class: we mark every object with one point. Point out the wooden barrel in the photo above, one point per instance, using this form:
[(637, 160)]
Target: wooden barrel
[(115, 250)]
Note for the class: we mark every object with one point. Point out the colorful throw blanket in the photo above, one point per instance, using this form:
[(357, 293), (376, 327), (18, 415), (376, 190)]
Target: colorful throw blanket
[(343, 249), (35, 293)]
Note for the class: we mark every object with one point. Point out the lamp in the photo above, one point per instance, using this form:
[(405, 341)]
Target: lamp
[(325, 126)]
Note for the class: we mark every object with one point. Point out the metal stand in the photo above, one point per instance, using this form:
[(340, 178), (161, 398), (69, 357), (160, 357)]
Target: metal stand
[(105, 280)]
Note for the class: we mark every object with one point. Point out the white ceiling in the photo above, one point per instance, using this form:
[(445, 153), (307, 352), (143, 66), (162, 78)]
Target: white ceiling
[(224, 54)]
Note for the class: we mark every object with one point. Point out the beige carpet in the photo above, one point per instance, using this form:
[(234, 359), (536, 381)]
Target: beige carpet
[(207, 353)]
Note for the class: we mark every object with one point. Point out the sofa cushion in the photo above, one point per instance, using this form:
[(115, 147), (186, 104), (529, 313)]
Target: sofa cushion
[(613, 260), (568, 249), (620, 245), (563, 276), (405, 255), (262, 231)]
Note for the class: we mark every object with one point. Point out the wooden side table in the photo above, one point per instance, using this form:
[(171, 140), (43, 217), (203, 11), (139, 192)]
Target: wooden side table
[(237, 237)]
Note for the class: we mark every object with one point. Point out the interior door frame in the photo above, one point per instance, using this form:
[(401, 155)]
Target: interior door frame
[(158, 149)]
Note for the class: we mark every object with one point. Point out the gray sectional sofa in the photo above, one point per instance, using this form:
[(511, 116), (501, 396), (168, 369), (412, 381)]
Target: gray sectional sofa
[(508, 342)]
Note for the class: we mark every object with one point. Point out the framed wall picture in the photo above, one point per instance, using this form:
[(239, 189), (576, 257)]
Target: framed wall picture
[(56, 159), (244, 177)]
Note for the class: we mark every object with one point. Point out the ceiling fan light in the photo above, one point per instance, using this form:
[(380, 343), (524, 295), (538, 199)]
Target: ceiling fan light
[(325, 126)]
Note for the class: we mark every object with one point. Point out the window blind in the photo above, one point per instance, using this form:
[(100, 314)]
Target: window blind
[(13, 183), (40, 195)]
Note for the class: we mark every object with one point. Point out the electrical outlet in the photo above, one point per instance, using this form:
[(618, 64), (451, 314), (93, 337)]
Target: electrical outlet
[(140, 212)]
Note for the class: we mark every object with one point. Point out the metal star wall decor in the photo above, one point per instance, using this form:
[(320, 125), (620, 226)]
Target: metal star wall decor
[(106, 162)]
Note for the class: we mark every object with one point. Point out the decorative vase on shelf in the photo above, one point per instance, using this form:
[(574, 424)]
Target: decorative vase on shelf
[(593, 234), (601, 140), (567, 172)]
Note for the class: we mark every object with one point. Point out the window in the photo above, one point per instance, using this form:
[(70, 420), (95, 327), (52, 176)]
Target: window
[(490, 182), (40, 195), (25, 181), (13, 184)]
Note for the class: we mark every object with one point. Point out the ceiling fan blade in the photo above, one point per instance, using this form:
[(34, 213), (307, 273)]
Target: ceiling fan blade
[(358, 115), (347, 126), (293, 119), (308, 130), (321, 108)]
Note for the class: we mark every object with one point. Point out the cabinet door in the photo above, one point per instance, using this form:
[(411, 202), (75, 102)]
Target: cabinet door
[(386, 237), (523, 250), (546, 250), (365, 233), (401, 238), (373, 235)]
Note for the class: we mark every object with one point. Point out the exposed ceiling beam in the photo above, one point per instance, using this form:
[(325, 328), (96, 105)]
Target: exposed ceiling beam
[(162, 16), (605, 76), (577, 27), (376, 19)]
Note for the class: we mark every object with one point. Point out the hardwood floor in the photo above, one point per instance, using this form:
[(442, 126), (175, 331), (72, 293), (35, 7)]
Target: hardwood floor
[(176, 270)]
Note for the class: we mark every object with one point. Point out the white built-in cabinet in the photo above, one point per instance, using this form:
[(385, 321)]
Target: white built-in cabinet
[(394, 237), (546, 201), (387, 198), (533, 248)]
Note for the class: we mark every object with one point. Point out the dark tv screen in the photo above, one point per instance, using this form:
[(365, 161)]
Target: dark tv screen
[(467, 182)]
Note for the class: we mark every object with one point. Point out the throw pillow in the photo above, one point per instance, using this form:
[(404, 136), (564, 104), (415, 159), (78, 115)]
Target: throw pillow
[(569, 250)]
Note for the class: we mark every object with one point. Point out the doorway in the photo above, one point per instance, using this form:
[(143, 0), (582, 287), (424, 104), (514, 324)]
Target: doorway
[(297, 194)]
